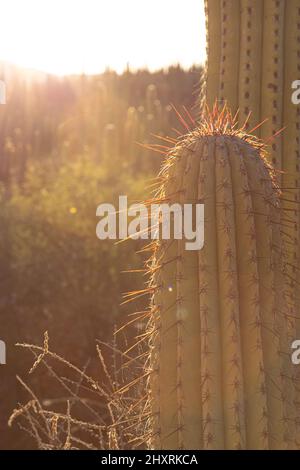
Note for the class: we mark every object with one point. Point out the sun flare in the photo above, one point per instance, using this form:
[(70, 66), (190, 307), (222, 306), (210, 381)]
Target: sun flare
[(74, 36)]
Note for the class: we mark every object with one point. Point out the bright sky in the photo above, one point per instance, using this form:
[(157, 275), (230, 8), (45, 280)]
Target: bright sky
[(72, 36)]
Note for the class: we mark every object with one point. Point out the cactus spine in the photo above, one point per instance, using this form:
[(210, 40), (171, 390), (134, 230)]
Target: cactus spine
[(220, 370)]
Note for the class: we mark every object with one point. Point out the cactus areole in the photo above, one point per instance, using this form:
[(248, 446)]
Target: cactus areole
[(220, 371)]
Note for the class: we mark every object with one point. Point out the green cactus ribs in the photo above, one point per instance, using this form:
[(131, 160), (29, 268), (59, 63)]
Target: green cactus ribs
[(219, 369)]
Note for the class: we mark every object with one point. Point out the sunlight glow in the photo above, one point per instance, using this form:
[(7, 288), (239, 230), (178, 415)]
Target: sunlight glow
[(74, 36)]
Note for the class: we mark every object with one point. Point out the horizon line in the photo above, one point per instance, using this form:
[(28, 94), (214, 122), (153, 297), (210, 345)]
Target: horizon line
[(6, 64)]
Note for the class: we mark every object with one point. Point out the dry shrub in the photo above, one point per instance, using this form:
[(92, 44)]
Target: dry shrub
[(86, 414)]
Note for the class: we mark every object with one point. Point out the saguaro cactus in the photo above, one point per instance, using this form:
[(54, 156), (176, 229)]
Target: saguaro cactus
[(253, 57), (220, 371), (223, 319)]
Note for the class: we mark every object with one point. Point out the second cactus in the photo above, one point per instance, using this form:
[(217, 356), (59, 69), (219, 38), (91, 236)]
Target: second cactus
[(220, 372)]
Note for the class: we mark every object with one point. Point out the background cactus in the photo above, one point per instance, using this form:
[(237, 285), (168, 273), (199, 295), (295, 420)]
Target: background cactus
[(220, 369), (253, 56)]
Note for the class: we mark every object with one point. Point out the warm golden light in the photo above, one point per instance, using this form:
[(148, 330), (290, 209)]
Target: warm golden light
[(72, 36)]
